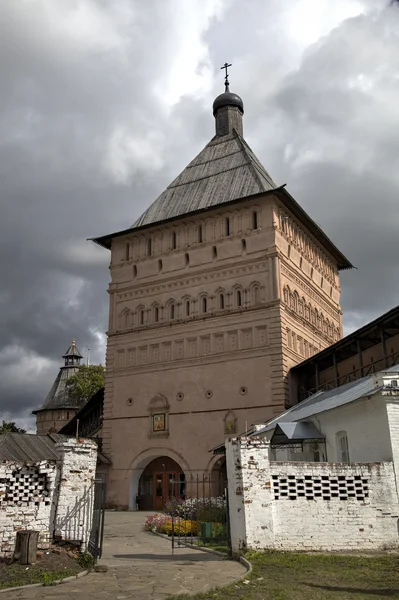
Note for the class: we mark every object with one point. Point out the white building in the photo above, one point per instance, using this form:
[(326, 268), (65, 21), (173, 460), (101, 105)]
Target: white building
[(346, 424)]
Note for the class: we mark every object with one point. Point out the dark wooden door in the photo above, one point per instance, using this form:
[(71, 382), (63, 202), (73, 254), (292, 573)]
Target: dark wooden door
[(166, 486)]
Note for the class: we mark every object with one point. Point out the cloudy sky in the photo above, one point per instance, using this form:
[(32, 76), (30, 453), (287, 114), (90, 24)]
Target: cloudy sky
[(102, 104)]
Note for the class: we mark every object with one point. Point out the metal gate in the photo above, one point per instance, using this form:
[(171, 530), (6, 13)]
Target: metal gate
[(201, 516), (95, 544)]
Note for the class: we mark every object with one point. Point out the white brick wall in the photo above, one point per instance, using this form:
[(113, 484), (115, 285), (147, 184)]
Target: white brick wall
[(76, 491), (27, 501), (309, 506), (35, 496)]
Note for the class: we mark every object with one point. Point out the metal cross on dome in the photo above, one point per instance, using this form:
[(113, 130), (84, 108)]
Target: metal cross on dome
[(226, 78)]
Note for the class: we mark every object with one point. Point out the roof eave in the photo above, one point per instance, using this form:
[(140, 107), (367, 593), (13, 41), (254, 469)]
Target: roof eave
[(292, 205), (105, 240)]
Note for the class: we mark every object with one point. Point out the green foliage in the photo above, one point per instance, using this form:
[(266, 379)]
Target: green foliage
[(86, 382), (86, 561), (209, 513), (10, 428)]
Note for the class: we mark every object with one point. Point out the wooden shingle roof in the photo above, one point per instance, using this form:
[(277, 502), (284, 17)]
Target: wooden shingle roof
[(224, 171)]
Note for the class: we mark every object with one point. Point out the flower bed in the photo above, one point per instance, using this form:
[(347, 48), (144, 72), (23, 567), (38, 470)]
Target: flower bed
[(162, 523), (197, 508)]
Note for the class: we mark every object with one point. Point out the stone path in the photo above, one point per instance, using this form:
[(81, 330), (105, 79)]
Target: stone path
[(141, 567)]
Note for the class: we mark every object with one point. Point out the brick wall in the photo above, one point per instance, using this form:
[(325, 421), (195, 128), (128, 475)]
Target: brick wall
[(48, 496), (309, 506), (76, 490), (27, 501)]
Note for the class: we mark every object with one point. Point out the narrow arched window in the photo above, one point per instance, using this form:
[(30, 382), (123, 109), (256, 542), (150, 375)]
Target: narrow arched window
[(239, 298), (221, 301), (204, 304), (187, 259), (227, 226), (200, 234), (255, 219), (127, 251), (174, 240), (141, 317), (160, 265), (244, 246), (187, 308), (156, 314), (214, 252), (134, 271), (149, 247), (172, 312), (256, 295)]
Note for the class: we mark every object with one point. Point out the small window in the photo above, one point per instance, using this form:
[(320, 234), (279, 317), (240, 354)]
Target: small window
[(127, 251), (172, 312), (214, 252), (156, 314), (174, 240), (255, 219), (394, 383), (149, 247), (141, 317), (239, 298), (221, 301), (227, 226), (244, 246), (187, 308), (204, 304), (187, 259), (342, 446), (200, 234), (134, 271), (256, 295), (160, 266)]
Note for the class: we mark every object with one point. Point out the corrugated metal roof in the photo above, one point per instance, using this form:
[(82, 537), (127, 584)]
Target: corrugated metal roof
[(25, 447), (225, 170), (323, 401)]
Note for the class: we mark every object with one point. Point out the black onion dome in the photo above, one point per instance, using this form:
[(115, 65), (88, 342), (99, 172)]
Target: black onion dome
[(228, 99)]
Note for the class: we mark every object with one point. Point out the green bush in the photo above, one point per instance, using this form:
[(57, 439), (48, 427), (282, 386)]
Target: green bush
[(211, 514), (86, 561)]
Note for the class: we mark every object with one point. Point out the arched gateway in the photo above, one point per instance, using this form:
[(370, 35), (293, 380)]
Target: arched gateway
[(161, 480), (154, 479)]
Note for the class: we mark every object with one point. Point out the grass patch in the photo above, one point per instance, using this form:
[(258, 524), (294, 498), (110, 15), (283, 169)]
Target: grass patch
[(50, 567), (298, 576)]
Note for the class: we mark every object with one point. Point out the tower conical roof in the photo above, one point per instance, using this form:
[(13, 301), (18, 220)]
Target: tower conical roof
[(72, 351)]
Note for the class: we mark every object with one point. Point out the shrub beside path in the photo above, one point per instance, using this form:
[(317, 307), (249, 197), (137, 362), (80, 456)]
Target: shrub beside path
[(141, 566)]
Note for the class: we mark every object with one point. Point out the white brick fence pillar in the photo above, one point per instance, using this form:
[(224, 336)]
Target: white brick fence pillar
[(76, 491), (393, 424), (250, 497)]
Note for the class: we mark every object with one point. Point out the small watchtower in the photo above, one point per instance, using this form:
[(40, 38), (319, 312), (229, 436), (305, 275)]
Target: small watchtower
[(58, 409)]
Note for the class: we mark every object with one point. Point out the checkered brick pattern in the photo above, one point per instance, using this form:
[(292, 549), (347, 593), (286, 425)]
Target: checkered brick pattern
[(24, 487), (324, 487)]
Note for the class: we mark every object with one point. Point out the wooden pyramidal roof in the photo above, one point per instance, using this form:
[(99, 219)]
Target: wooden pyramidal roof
[(225, 171)]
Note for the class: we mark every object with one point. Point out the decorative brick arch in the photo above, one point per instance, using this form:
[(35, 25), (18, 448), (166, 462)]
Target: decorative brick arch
[(143, 459)]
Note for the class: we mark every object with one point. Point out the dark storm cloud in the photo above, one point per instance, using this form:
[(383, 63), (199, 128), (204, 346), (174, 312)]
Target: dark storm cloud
[(103, 103)]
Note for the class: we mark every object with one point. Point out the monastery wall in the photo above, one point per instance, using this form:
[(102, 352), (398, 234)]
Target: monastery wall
[(309, 506)]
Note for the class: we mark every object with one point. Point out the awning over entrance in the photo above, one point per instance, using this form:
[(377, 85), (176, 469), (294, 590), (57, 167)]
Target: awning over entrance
[(291, 432)]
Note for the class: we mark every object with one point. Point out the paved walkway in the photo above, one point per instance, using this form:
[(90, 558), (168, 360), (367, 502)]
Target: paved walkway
[(141, 566)]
